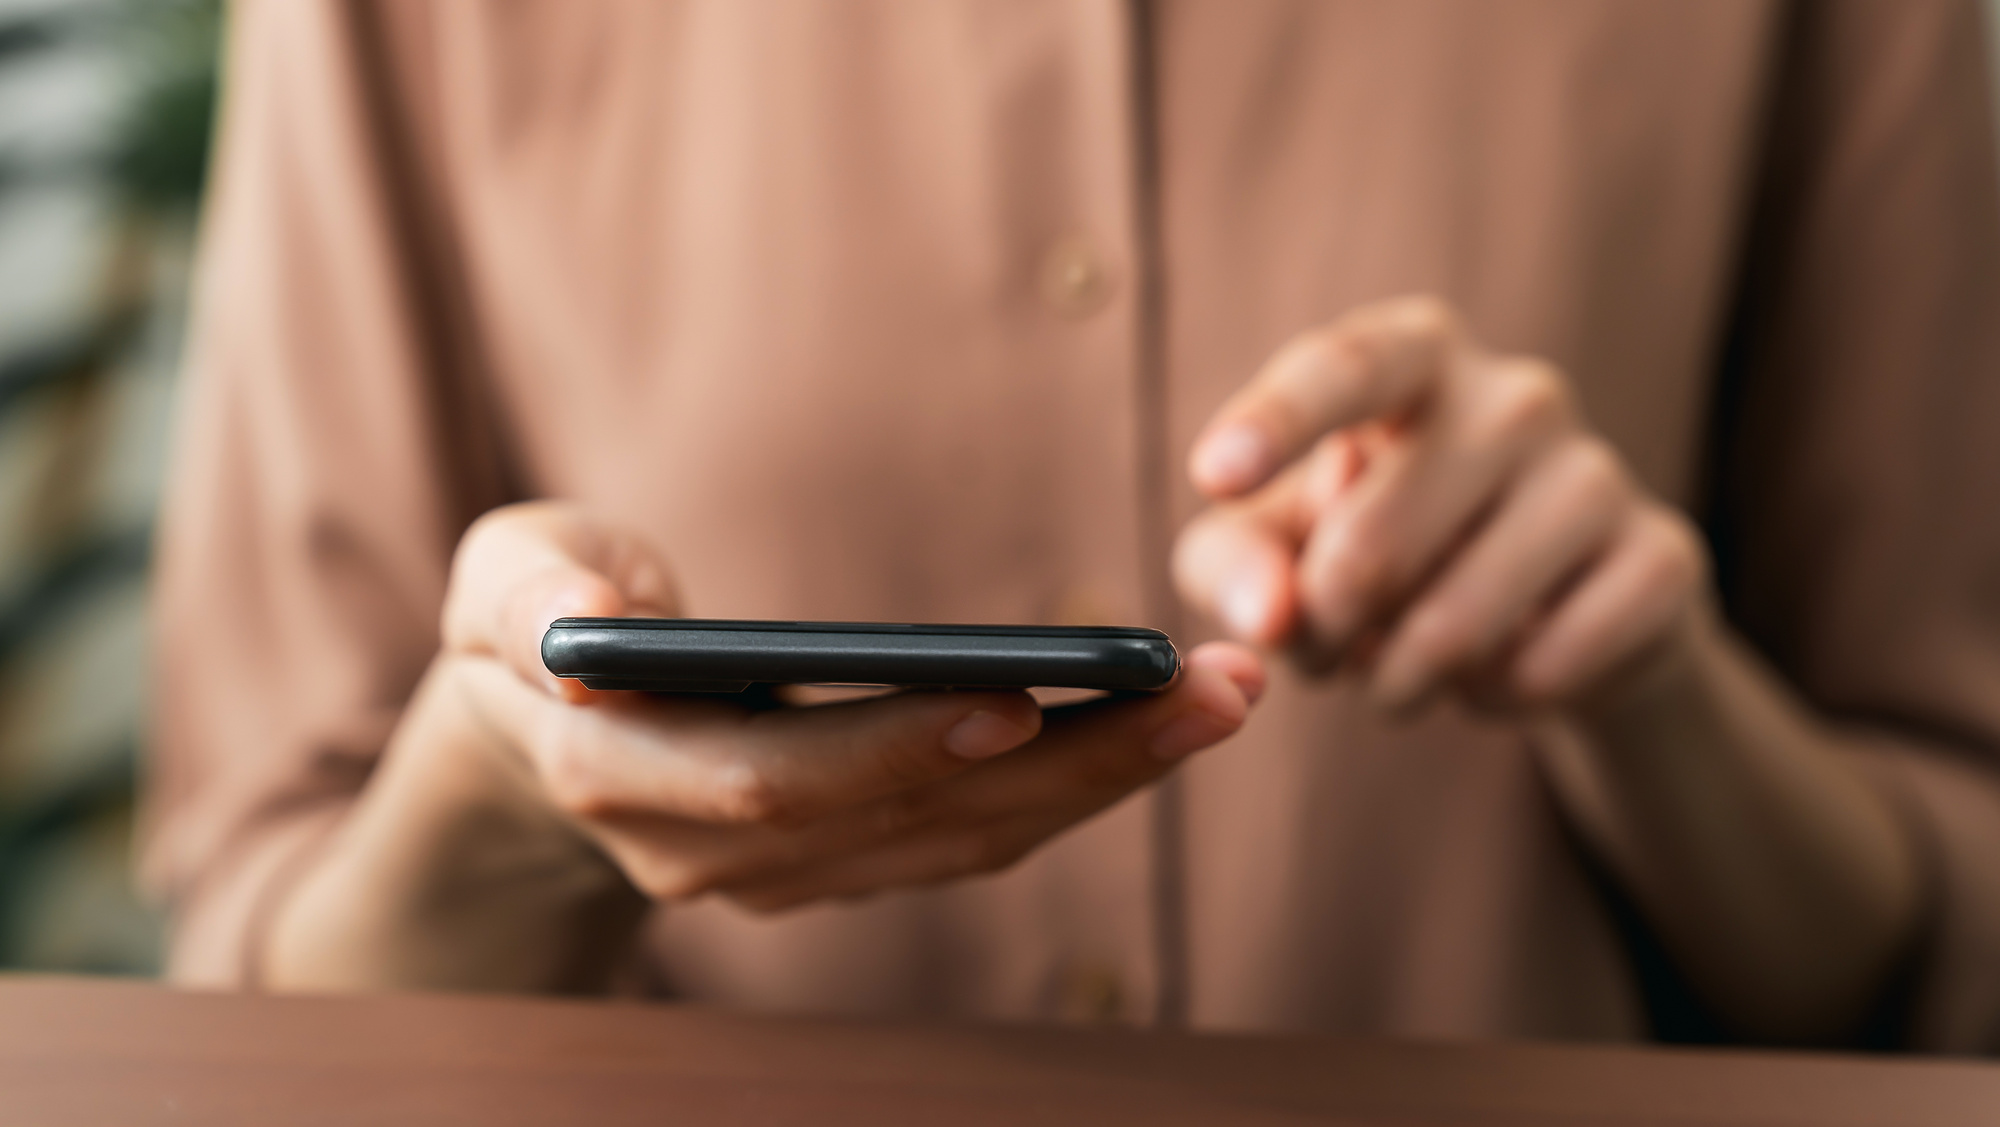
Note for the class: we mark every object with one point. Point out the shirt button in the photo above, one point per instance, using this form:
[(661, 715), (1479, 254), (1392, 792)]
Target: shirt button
[(1093, 993), (1075, 281)]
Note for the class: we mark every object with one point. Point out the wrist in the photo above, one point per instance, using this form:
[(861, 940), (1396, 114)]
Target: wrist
[(1776, 873), (1660, 682), (452, 871)]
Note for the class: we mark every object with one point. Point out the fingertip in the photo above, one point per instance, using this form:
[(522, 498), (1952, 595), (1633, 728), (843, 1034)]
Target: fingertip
[(1238, 663), (1258, 604), (1246, 605), (1216, 712), (986, 733), (1231, 459), (1241, 574), (581, 595), (1227, 701), (978, 725), (570, 595), (650, 585), (1019, 708), (1217, 694)]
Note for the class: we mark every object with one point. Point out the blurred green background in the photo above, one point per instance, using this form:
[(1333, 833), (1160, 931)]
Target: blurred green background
[(105, 112)]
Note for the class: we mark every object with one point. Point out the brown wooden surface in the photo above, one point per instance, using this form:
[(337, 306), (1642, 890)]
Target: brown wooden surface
[(91, 1052)]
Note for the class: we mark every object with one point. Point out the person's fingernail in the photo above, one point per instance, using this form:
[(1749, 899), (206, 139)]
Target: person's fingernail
[(1234, 457), (1246, 604), (983, 735), (1186, 735)]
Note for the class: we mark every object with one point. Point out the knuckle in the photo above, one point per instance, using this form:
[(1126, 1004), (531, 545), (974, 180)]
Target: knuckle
[(1342, 593), (1528, 398), (1422, 314), (1342, 345), (674, 879), (744, 793), (1315, 342), (1681, 557), (1339, 350), (1595, 471), (1426, 314), (902, 813)]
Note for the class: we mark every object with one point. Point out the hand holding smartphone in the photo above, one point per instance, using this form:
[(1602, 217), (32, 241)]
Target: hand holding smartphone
[(725, 655), (687, 795)]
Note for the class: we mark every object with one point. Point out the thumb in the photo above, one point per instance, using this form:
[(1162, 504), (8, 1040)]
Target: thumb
[(521, 567)]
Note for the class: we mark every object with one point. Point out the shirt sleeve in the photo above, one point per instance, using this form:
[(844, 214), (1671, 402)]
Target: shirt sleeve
[(331, 446), (1858, 516)]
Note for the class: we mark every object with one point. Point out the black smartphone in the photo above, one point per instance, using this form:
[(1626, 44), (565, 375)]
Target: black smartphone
[(697, 655)]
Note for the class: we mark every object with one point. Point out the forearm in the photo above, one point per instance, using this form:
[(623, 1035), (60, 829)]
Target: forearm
[(450, 874), (1777, 875)]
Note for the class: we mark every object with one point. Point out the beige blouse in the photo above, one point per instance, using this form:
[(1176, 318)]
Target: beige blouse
[(909, 309)]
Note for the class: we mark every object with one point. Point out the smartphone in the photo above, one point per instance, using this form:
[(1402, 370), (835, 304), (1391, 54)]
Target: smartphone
[(697, 655)]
